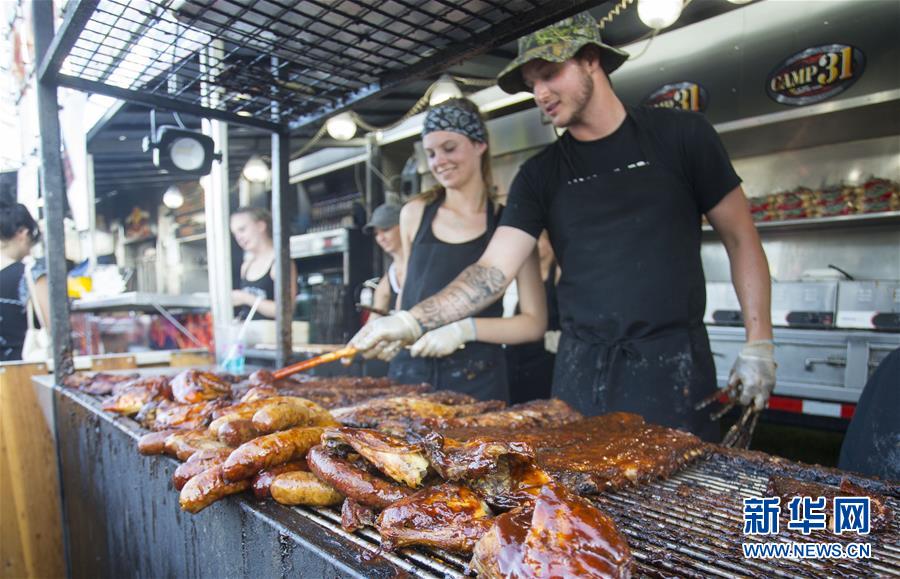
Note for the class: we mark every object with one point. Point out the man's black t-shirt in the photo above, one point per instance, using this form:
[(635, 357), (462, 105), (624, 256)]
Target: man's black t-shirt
[(685, 142)]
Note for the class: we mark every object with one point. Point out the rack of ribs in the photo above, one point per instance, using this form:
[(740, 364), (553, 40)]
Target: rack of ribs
[(559, 535), (599, 453), (397, 414), (534, 414), (787, 488)]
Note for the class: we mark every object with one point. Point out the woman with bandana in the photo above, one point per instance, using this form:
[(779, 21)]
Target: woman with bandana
[(443, 231)]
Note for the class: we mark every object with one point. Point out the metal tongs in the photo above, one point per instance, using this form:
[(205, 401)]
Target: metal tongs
[(741, 432)]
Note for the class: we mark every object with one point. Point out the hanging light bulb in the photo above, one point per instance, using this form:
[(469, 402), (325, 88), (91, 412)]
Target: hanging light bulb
[(659, 14), (444, 89), (173, 198), (341, 127), (256, 170)]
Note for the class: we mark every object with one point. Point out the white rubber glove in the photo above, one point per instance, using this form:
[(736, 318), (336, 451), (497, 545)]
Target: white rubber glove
[(445, 340), (379, 335), (753, 373), (551, 341)]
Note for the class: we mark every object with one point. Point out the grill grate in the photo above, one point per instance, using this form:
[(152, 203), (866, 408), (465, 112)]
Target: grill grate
[(686, 526)]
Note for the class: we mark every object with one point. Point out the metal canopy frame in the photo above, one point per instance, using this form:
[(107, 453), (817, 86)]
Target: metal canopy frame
[(311, 57)]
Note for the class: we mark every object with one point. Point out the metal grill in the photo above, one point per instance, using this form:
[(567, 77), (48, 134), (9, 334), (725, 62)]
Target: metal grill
[(687, 526), (278, 60)]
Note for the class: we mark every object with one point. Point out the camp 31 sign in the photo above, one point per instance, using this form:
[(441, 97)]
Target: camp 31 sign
[(687, 96), (815, 74)]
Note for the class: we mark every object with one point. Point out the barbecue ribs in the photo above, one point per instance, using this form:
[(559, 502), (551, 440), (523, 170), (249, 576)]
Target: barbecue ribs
[(787, 488), (560, 535)]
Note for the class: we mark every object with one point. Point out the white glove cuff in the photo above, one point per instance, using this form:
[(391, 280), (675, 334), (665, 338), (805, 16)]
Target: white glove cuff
[(415, 328), (762, 349), (467, 329)]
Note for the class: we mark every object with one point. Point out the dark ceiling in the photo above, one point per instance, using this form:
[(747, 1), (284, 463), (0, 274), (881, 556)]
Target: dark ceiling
[(122, 168)]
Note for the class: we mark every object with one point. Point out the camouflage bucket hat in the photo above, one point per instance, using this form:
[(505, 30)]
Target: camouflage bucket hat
[(558, 43)]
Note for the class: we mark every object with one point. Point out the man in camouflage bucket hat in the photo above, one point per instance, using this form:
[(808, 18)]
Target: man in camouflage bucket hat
[(621, 194), (559, 43)]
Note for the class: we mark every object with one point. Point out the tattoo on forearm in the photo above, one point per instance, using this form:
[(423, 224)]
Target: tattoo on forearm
[(474, 289)]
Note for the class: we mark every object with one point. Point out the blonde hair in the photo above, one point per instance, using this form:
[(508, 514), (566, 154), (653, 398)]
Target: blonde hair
[(487, 175)]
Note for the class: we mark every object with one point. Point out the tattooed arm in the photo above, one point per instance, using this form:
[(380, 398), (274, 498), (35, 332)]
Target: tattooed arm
[(480, 284), (475, 288)]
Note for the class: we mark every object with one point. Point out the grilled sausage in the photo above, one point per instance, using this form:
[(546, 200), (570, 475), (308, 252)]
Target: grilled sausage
[(287, 411), (353, 482), (237, 432), (270, 450), (208, 487), (197, 463), (304, 488), (263, 480), (183, 444), (154, 442)]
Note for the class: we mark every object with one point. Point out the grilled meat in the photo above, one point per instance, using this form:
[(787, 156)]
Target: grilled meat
[(270, 450), (98, 384), (182, 445), (355, 516), (354, 481), (396, 414), (534, 414), (193, 386), (207, 487), (197, 463), (304, 488), (168, 415), (448, 516), (880, 516), (332, 396), (405, 463), (263, 481), (237, 432), (600, 453), (560, 535), (133, 395), (154, 442), (289, 411)]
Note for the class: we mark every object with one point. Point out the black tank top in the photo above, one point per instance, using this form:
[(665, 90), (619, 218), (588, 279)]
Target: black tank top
[(264, 286), (433, 263), (13, 322)]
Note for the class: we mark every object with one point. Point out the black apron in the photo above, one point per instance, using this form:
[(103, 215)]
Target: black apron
[(632, 293), (530, 365), (479, 369)]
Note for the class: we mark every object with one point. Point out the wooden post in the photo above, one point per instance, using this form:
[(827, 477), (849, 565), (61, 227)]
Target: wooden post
[(31, 542)]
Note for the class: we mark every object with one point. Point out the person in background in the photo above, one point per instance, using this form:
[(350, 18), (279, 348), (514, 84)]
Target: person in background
[(531, 364), (872, 443), (18, 234), (252, 229), (385, 223), (443, 230), (622, 194)]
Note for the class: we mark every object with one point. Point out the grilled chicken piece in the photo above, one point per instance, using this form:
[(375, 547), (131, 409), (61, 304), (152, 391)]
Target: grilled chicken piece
[(168, 415), (560, 535), (98, 384), (193, 386), (600, 453), (448, 516), (270, 450), (208, 487), (135, 394), (394, 457), (534, 414), (787, 488), (354, 481), (355, 516), (396, 414), (182, 445)]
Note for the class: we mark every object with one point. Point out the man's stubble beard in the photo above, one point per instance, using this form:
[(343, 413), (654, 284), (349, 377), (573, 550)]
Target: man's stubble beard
[(581, 100)]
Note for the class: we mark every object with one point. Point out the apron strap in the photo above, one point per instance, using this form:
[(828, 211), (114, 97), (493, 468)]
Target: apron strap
[(610, 353)]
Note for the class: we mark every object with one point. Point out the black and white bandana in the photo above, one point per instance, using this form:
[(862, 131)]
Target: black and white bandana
[(456, 120)]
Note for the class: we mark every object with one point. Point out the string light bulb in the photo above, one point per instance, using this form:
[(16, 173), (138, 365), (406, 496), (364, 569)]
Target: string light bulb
[(256, 170), (659, 14), (341, 127), (173, 198)]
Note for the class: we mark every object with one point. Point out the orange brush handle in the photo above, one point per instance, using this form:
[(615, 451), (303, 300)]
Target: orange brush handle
[(347, 352)]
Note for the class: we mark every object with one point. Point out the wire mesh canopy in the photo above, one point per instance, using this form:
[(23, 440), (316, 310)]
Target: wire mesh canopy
[(277, 63)]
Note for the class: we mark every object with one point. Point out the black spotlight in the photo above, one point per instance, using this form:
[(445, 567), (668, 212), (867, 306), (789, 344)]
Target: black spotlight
[(178, 150)]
